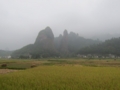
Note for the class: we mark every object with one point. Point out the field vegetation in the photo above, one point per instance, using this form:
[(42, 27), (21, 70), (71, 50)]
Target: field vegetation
[(60, 74)]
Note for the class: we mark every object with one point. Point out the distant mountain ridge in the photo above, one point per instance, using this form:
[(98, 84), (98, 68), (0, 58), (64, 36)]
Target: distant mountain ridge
[(46, 45), (104, 37), (111, 46), (5, 53)]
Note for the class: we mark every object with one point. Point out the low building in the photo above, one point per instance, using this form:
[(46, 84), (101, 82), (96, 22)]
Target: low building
[(9, 57)]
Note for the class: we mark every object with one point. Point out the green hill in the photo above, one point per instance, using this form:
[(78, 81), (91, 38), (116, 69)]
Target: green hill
[(111, 46)]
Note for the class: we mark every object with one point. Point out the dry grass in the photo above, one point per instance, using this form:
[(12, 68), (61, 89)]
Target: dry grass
[(65, 74), (4, 71)]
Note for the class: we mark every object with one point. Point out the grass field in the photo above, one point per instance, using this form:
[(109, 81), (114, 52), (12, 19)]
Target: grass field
[(62, 74)]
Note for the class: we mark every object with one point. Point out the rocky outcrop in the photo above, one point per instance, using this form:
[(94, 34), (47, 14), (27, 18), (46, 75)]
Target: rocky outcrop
[(45, 39), (47, 46), (64, 43)]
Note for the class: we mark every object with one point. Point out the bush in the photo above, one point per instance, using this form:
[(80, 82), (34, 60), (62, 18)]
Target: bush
[(4, 65)]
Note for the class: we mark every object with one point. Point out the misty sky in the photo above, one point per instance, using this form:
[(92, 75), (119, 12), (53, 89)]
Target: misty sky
[(21, 20)]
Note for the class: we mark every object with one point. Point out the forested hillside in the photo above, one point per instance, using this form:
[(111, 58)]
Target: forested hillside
[(111, 46)]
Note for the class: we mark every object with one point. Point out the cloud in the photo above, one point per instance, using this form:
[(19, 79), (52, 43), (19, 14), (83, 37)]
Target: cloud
[(21, 20)]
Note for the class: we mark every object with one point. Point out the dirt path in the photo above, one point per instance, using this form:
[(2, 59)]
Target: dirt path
[(4, 71)]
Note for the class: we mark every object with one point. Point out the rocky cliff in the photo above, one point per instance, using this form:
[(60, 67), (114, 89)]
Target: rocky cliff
[(64, 43), (47, 46), (45, 39)]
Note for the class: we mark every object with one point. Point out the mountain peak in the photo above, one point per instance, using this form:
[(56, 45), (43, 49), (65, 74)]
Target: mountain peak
[(65, 32), (47, 28), (45, 39)]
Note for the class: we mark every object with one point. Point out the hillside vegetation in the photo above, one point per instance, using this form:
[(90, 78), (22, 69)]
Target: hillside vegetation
[(111, 46)]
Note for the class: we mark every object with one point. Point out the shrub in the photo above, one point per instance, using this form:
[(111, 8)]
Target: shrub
[(33, 65), (4, 65)]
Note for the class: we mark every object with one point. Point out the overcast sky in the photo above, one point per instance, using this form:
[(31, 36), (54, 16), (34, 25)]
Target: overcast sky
[(21, 20)]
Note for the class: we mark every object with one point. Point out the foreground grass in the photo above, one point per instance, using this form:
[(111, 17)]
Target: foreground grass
[(67, 77)]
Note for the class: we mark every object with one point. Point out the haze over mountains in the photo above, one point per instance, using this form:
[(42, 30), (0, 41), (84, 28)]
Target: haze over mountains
[(103, 36), (47, 46), (68, 44), (21, 20), (5, 53), (111, 46)]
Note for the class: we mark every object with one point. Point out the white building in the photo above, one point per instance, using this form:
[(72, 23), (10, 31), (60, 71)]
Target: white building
[(9, 57)]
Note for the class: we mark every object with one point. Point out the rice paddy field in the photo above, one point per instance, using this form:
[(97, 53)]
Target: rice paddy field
[(60, 74)]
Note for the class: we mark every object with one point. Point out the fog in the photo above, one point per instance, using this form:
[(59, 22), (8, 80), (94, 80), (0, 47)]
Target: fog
[(21, 20)]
